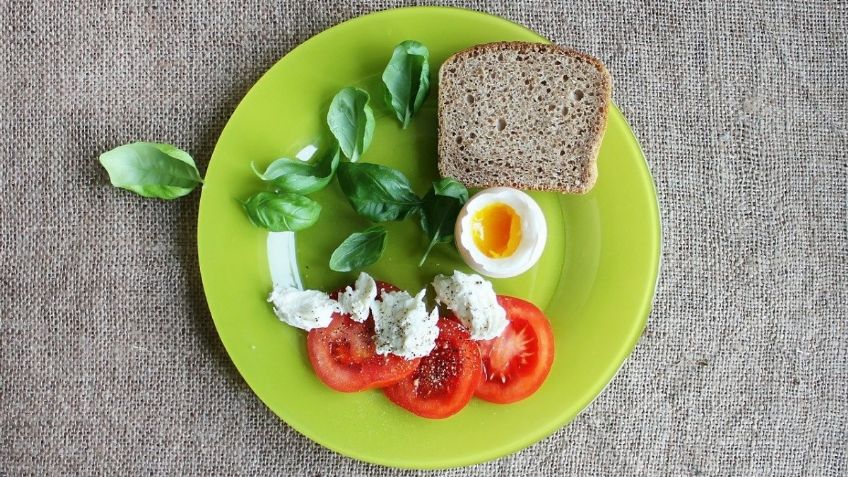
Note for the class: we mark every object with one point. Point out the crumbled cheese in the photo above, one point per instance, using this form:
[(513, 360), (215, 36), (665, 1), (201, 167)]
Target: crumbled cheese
[(474, 302), (357, 301), (403, 326), (304, 309)]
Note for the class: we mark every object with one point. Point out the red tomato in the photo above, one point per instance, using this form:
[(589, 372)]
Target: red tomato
[(516, 363), (445, 380), (345, 358)]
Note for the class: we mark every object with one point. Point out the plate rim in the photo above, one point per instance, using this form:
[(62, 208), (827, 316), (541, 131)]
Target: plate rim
[(544, 431)]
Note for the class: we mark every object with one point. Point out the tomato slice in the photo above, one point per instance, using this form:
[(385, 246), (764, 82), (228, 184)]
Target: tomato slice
[(446, 378), (516, 363), (345, 357)]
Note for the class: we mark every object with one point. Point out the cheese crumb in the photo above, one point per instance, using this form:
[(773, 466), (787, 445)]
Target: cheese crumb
[(357, 301), (304, 309), (402, 325), (473, 300)]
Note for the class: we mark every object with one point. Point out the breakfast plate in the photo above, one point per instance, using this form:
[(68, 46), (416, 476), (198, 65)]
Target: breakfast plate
[(595, 281)]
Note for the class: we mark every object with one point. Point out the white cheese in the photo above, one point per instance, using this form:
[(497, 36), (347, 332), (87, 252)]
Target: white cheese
[(403, 326), (304, 309), (474, 302), (357, 301)]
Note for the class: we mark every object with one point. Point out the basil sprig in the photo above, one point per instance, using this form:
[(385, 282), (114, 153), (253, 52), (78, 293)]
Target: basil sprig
[(151, 169), (439, 211), (351, 121), (376, 192), (282, 212), (359, 250), (407, 80)]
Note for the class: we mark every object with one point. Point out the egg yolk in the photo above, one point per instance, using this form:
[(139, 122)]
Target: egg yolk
[(496, 229)]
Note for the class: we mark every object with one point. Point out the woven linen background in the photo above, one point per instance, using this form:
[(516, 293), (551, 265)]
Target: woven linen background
[(109, 360)]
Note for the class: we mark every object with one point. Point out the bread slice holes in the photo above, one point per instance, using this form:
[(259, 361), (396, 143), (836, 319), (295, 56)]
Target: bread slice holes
[(577, 95), (565, 77), (551, 107), (501, 124), (565, 110), (469, 99), (472, 136), (459, 139), (500, 56)]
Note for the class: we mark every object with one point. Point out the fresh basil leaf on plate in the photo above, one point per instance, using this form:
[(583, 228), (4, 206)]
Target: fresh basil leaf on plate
[(359, 250), (376, 192), (439, 211), (151, 169), (294, 175), (283, 212), (407, 80), (351, 121)]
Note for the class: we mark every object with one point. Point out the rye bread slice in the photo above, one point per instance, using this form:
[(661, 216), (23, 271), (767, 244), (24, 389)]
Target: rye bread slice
[(523, 115)]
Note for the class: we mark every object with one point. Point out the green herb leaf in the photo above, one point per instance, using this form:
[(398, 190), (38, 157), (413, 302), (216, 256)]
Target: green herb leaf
[(293, 175), (439, 212), (351, 121), (151, 169), (407, 80), (359, 250), (284, 212), (376, 192)]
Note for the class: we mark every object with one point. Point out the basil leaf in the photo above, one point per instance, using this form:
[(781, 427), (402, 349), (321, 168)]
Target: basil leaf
[(359, 250), (293, 175), (439, 211), (449, 187), (407, 80), (284, 212), (151, 169), (351, 121), (376, 192)]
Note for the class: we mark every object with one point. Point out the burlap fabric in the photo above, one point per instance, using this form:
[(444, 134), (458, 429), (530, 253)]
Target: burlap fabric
[(110, 364)]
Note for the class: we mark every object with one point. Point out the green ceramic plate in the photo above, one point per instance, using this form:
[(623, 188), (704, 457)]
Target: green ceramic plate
[(595, 281)]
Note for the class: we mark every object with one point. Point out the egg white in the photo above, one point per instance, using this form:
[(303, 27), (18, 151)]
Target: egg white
[(534, 233)]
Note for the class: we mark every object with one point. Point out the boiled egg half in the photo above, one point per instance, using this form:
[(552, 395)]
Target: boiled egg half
[(501, 232)]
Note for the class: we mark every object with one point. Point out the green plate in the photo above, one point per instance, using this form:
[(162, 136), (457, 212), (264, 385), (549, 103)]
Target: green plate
[(595, 281)]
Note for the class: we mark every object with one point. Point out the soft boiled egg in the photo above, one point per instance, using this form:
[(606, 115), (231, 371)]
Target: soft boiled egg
[(501, 232)]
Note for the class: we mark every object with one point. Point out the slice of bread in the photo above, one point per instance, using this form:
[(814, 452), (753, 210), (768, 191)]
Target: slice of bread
[(523, 115)]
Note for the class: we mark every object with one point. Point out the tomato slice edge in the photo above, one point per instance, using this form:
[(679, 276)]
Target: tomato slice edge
[(464, 382), (345, 338), (523, 381)]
